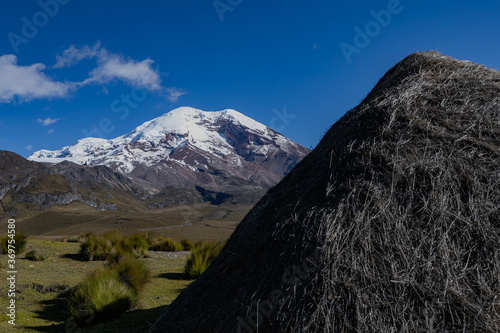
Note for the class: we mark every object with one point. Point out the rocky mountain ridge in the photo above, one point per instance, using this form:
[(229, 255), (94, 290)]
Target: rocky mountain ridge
[(221, 151)]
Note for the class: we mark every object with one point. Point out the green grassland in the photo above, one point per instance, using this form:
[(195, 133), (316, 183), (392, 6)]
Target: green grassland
[(38, 308), (195, 222)]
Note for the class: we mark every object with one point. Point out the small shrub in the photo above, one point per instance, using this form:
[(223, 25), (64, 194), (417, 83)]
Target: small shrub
[(187, 245), (101, 296), (153, 240), (20, 243), (3, 244), (132, 272), (113, 236), (201, 257), (112, 244), (117, 254), (136, 244), (172, 246), (83, 237), (96, 248), (35, 255), (168, 245), (109, 291)]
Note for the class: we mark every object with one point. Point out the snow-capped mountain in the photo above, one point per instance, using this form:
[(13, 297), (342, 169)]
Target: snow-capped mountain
[(187, 147)]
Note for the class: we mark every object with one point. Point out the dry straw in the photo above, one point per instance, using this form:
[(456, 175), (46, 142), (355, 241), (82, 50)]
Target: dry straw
[(401, 201)]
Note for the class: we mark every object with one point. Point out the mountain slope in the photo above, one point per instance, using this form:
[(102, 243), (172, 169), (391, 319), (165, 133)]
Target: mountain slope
[(70, 199), (222, 151), (40, 186)]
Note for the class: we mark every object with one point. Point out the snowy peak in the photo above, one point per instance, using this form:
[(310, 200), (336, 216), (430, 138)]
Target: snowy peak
[(191, 122), (188, 143)]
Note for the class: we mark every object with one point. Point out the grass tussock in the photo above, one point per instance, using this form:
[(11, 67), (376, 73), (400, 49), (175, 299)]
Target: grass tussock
[(35, 255), (96, 247), (136, 244), (102, 295), (18, 241), (112, 243), (109, 291), (132, 272), (203, 254), (187, 245), (167, 245)]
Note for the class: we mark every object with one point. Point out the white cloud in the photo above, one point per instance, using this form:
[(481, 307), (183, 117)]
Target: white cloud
[(29, 147), (111, 67), (173, 94), (74, 55), (27, 82), (48, 121), (50, 131), (114, 67)]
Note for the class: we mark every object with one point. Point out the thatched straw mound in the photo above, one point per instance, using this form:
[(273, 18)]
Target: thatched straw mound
[(392, 224)]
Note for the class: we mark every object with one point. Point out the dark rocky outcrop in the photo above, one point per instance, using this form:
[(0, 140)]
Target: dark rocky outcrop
[(391, 224)]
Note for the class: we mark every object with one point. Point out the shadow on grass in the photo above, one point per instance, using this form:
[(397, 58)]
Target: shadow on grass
[(74, 256), (133, 321), (175, 276), (54, 309)]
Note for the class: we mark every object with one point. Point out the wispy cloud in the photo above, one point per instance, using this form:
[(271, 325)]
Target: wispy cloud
[(48, 121), (50, 131), (173, 94), (74, 55), (29, 147), (27, 82)]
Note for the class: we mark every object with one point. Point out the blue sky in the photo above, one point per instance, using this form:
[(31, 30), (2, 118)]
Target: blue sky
[(74, 68)]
